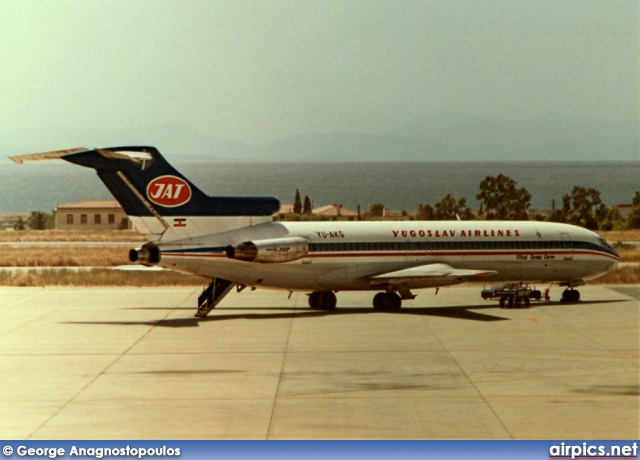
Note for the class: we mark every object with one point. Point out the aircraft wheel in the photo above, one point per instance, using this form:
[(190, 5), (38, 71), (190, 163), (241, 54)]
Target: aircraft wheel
[(512, 301), (503, 300), (387, 301), (314, 298), (394, 302), (328, 301), (378, 301), (322, 300), (527, 302), (570, 295)]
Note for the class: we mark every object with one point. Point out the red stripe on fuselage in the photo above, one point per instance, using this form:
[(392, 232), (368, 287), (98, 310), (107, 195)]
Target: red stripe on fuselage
[(356, 254)]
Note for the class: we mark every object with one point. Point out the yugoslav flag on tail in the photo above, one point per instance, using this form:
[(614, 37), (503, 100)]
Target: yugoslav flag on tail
[(161, 203)]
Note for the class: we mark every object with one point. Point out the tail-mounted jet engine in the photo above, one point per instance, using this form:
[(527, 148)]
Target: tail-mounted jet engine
[(147, 254), (270, 251)]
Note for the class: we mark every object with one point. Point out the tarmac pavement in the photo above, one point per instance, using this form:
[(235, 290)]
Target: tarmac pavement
[(134, 363)]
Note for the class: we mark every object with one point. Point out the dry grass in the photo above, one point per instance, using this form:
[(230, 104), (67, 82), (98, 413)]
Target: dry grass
[(63, 257), (98, 277), (629, 253), (616, 236), (36, 236), (623, 275)]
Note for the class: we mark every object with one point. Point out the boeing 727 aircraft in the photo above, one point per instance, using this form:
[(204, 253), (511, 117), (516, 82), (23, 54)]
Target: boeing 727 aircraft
[(235, 242)]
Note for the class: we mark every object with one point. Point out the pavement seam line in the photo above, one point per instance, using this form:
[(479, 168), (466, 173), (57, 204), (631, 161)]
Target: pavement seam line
[(579, 332), (464, 372), (284, 360), (101, 373), (37, 318)]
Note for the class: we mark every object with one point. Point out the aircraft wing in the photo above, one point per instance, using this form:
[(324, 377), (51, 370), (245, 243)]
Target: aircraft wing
[(430, 272)]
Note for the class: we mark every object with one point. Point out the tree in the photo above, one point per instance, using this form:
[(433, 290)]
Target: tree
[(560, 215), (376, 209), (19, 225), (38, 220), (297, 204), (450, 209), (605, 218), (565, 212), (584, 207), (501, 200), (51, 220), (633, 221), (613, 220), (307, 205), (426, 212)]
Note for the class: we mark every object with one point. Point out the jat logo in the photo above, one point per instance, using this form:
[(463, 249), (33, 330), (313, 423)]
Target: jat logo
[(169, 191)]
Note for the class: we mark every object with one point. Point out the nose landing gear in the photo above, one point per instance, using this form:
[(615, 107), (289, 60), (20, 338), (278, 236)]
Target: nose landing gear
[(570, 295)]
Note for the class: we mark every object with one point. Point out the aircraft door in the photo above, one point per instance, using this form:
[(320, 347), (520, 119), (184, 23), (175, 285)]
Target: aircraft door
[(306, 260), (567, 246)]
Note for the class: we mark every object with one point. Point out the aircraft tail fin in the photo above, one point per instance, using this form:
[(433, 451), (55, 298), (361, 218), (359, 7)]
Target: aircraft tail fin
[(160, 201)]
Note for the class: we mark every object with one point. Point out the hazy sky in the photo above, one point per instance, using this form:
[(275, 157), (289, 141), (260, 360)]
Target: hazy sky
[(259, 71)]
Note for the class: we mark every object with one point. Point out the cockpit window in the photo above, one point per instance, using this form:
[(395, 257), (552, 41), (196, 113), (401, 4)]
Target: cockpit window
[(604, 243)]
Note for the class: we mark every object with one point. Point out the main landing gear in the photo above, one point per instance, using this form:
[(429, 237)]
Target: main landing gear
[(387, 301), (322, 300), (383, 301)]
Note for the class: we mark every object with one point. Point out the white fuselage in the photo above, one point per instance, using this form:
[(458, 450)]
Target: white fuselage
[(344, 255)]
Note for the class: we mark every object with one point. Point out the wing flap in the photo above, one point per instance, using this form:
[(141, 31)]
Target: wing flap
[(429, 272)]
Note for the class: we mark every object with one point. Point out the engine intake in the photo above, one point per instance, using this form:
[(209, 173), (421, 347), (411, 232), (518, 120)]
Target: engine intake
[(270, 251), (147, 254)]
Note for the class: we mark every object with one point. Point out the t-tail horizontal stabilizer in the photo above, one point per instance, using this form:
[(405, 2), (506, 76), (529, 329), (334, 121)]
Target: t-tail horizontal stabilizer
[(45, 156)]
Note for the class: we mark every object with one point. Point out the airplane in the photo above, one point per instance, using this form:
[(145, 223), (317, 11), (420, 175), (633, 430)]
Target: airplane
[(237, 242)]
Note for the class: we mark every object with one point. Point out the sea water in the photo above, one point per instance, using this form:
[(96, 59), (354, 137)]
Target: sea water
[(397, 185)]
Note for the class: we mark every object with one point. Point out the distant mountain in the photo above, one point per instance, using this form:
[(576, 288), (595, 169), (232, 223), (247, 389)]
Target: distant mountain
[(551, 137), (185, 142), (442, 137), (452, 137), (173, 139), (343, 147)]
